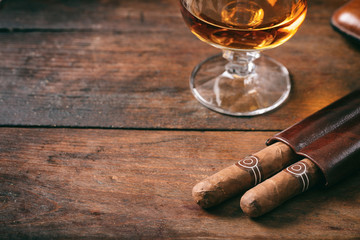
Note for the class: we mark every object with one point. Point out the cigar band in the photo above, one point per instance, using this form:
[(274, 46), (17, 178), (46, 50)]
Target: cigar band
[(299, 171), (251, 165)]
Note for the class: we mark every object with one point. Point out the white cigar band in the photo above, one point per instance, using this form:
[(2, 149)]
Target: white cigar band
[(251, 165), (299, 171)]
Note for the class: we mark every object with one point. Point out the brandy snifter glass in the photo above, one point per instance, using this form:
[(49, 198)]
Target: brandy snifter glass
[(241, 81)]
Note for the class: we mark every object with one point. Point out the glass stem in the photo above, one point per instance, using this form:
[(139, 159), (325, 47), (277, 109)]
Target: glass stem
[(241, 63)]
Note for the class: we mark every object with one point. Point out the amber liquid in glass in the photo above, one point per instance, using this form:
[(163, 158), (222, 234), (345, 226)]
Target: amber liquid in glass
[(244, 25)]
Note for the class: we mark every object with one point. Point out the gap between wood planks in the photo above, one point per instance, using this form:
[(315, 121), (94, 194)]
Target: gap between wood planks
[(144, 129)]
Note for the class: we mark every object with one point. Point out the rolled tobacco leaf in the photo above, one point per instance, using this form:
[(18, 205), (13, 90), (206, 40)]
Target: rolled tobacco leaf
[(271, 193), (242, 175)]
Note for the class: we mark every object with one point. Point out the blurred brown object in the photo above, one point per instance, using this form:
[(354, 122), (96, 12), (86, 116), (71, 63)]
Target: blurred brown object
[(346, 19)]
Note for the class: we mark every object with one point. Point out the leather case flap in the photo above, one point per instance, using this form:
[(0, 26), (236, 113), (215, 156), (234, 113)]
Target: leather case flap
[(320, 123)]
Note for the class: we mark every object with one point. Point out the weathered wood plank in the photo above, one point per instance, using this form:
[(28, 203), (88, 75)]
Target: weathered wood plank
[(135, 15), (110, 184), (111, 80), (110, 69)]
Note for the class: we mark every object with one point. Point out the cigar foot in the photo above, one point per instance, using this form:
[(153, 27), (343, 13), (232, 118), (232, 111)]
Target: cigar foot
[(203, 196), (220, 186), (250, 206)]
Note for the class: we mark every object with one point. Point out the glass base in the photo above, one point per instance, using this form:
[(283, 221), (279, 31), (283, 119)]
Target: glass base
[(264, 89)]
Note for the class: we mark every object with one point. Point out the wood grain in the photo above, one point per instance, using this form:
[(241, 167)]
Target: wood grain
[(112, 15), (111, 184), (98, 15), (108, 67), (125, 64)]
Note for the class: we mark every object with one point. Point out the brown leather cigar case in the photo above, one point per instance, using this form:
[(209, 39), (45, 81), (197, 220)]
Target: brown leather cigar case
[(329, 137), (337, 153), (347, 19)]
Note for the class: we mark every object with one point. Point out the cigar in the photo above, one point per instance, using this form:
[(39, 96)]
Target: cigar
[(290, 182), (243, 175)]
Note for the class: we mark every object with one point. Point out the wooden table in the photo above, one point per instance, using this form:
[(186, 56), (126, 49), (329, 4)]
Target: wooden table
[(101, 138)]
